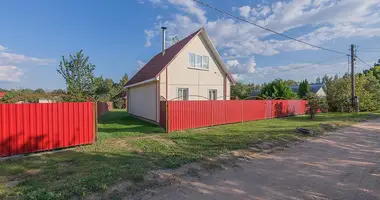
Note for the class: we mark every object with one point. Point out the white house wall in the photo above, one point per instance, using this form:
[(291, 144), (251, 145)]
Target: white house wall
[(198, 81), (142, 101)]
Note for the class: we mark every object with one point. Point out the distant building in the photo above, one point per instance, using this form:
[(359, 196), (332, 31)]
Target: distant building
[(314, 88)]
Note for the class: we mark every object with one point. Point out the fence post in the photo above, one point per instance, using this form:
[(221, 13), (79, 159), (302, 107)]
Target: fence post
[(242, 111), (167, 117), (95, 122), (212, 114)]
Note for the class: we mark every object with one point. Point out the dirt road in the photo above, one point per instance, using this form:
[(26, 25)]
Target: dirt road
[(342, 165)]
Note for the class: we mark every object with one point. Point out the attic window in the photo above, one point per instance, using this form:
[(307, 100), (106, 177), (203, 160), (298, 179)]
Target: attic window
[(199, 62)]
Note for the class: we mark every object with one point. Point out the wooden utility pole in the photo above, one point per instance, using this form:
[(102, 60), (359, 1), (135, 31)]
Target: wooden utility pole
[(353, 96)]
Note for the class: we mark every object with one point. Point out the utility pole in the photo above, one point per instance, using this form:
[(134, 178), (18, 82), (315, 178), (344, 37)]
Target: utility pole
[(353, 96)]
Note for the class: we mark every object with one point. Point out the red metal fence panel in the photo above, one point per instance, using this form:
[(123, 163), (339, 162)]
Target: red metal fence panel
[(254, 110), (184, 115), (27, 128)]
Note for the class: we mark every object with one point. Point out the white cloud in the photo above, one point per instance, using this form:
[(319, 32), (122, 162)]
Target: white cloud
[(244, 11), (192, 8), (320, 21), (235, 67), (139, 64), (10, 73), (2, 48), (12, 58), (149, 34)]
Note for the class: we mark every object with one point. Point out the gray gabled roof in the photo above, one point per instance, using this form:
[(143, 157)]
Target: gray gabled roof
[(314, 88)]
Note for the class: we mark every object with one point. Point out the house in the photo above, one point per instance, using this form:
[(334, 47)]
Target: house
[(2, 94), (191, 69), (314, 88)]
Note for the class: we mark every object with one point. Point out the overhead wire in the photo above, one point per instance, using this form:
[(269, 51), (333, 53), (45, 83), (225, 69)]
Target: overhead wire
[(267, 29), (363, 61)]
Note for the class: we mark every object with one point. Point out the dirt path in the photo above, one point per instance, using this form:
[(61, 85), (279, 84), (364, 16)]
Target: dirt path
[(342, 165)]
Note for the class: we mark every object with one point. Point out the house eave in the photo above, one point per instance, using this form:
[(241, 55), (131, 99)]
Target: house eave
[(142, 82)]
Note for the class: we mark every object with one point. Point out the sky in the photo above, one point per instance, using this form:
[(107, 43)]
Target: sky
[(121, 36)]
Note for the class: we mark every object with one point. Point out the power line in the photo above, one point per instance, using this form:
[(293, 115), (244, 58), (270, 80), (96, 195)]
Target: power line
[(267, 29), (363, 61)]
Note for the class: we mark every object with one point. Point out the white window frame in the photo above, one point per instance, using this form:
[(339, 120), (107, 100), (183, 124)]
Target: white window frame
[(181, 97), (212, 95), (199, 62)]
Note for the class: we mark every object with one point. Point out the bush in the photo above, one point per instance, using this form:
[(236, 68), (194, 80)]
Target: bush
[(315, 104)]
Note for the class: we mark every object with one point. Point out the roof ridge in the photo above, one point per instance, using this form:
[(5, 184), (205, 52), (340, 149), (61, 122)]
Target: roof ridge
[(159, 62)]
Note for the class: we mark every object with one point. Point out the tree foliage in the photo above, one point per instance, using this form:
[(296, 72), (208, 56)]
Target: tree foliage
[(303, 89), (367, 88), (315, 104), (242, 91), (277, 89), (78, 74)]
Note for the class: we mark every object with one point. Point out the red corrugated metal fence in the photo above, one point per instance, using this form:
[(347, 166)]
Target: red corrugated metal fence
[(27, 128), (184, 115)]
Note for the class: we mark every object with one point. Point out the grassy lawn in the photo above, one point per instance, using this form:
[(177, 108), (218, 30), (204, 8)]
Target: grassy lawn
[(128, 148)]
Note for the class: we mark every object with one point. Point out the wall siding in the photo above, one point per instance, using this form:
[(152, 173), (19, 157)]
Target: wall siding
[(198, 81), (143, 101)]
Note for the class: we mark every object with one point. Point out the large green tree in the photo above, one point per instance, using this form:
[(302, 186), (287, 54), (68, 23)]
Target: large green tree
[(78, 73), (242, 91), (367, 88), (303, 89), (277, 89)]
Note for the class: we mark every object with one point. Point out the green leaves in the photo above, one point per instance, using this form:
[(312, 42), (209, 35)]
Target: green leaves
[(303, 89), (277, 89), (78, 74)]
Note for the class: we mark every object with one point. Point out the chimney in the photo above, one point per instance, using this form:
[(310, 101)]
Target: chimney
[(163, 40)]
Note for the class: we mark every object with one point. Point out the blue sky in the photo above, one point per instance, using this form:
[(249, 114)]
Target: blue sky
[(120, 36)]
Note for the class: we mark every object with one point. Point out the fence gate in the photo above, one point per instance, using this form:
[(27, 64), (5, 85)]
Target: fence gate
[(34, 127)]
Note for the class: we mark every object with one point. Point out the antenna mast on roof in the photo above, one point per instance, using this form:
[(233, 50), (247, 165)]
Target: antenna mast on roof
[(175, 39)]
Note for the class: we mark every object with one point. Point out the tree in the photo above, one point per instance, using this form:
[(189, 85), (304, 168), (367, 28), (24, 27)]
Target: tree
[(3, 90), (315, 104), (277, 89), (367, 89), (242, 90), (303, 89), (318, 80), (124, 80), (78, 74)]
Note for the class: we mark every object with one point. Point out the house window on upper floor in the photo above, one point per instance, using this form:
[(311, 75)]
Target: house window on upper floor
[(183, 94), (213, 94), (198, 61)]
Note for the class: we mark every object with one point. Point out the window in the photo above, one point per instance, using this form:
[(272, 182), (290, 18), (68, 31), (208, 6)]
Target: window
[(192, 60), (213, 94), (205, 62), (198, 61), (183, 93)]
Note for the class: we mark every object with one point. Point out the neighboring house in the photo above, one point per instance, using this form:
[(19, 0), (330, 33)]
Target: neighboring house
[(314, 88), (191, 69), (2, 94)]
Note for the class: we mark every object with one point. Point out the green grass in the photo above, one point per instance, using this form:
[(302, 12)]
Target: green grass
[(128, 148)]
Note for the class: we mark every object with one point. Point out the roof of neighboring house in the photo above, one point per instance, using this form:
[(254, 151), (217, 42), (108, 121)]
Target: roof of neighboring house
[(255, 93), (159, 62), (2, 94), (314, 88)]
